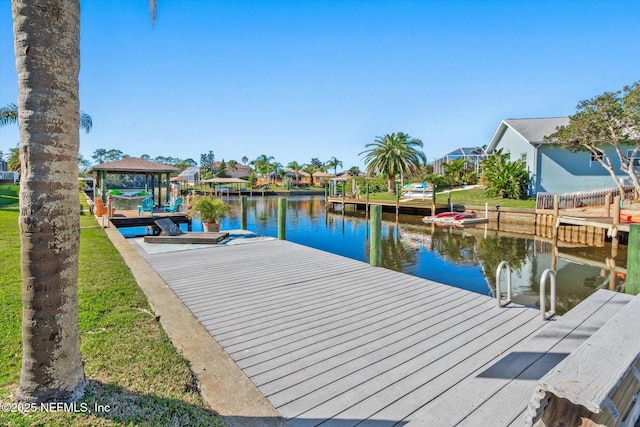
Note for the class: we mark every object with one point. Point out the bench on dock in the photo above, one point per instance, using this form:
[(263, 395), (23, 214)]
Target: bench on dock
[(171, 233), (599, 382)]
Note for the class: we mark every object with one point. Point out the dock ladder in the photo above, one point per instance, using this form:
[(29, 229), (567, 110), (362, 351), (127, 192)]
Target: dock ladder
[(547, 274)]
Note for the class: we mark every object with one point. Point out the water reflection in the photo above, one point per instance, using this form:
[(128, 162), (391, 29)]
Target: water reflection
[(463, 258)]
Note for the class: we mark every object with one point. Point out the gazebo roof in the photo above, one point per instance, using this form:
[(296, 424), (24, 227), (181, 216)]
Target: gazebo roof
[(134, 165)]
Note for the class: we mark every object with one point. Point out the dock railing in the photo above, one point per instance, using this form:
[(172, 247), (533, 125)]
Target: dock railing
[(580, 198)]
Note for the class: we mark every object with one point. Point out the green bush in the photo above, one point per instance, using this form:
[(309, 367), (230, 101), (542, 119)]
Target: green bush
[(503, 178)]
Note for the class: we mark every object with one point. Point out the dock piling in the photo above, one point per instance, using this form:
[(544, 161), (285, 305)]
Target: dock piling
[(243, 212), (282, 218), (375, 241), (632, 285)]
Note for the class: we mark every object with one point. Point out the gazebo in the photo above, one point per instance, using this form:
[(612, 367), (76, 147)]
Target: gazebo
[(226, 181), (134, 166)]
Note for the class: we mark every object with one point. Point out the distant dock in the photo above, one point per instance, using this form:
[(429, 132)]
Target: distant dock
[(414, 208)]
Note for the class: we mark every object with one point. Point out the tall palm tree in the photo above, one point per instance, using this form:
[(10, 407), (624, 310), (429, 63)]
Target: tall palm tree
[(393, 154), (334, 163), (296, 168), (47, 49), (9, 115)]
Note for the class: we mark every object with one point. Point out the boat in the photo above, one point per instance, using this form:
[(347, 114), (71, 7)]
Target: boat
[(458, 219), (417, 190), (464, 215), (446, 214)]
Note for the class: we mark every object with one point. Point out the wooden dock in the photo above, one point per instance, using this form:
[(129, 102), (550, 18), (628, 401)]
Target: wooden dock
[(412, 207), (332, 340), (131, 218)]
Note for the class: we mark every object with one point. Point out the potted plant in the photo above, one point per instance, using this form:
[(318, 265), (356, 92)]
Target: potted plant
[(209, 210)]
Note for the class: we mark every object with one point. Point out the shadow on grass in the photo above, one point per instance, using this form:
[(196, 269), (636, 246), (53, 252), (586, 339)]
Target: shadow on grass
[(109, 405), (128, 407)]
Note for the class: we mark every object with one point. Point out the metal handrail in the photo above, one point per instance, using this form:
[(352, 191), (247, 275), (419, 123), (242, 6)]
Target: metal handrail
[(543, 281), (498, 291)]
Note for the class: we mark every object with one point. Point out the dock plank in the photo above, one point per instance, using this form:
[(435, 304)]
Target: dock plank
[(326, 338), (501, 389)]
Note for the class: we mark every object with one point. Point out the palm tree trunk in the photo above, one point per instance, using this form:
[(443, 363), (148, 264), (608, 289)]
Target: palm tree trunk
[(391, 184), (47, 40)]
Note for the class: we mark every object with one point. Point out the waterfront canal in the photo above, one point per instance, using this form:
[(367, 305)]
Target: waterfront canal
[(465, 258)]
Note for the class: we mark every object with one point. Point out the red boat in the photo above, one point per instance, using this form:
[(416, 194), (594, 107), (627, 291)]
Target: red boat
[(464, 215)]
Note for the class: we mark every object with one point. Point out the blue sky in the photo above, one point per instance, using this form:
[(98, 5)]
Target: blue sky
[(302, 79)]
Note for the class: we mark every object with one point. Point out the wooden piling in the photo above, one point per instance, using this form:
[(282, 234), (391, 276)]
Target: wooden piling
[(632, 285), (375, 241), (282, 218), (243, 212), (615, 221), (366, 206), (556, 210), (397, 200)]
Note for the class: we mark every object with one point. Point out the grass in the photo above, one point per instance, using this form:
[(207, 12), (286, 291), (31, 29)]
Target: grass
[(130, 362), (472, 197), (9, 195)]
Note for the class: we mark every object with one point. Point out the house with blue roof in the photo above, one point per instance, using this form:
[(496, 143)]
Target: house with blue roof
[(552, 167)]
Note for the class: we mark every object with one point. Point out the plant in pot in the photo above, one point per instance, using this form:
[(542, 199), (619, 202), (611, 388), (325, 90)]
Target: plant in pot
[(209, 210)]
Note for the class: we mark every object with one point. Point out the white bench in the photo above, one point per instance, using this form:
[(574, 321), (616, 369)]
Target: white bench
[(599, 382)]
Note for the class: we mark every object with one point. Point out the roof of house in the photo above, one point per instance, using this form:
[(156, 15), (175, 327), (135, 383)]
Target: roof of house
[(466, 151), (190, 171), (531, 130), (134, 165), (534, 130)]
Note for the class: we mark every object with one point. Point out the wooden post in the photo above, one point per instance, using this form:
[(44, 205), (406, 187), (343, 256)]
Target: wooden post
[(615, 221), (632, 285), (397, 200), (282, 218), (375, 241), (556, 211), (243, 212), (433, 201), (110, 206), (366, 206), (607, 205)]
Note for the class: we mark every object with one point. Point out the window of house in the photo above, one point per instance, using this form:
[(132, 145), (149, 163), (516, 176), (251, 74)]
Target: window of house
[(596, 157), (523, 157), (634, 155)]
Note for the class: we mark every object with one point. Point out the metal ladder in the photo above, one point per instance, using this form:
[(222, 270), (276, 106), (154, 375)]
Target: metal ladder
[(547, 274)]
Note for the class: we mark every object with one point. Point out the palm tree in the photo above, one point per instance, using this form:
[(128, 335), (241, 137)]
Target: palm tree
[(296, 168), (334, 163), (231, 165), (13, 160), (393, 154), (310, 169), (48, 62), (9, 115), (262, 165)]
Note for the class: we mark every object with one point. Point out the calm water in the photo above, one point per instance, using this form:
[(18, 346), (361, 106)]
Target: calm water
[(463, 258)]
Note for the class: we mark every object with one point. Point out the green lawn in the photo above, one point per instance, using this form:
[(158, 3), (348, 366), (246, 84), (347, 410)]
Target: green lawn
[(472, 197), (129, 360), (9, 195)]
